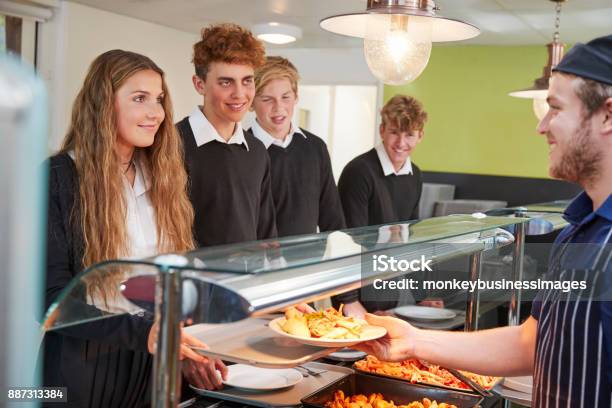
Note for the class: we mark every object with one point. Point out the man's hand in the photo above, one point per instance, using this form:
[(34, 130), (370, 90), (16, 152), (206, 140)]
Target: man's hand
[(397, 345), (204, 374)]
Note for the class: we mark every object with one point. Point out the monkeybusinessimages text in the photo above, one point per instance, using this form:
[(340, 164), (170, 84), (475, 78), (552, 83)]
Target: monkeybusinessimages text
[(386, 263)]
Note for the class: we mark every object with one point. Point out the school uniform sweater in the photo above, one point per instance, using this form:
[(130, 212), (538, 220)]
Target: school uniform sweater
[(229, 189), (303, 186), (369, 197)]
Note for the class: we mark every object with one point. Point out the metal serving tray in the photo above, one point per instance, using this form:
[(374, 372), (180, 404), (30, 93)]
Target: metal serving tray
[(250, 341), (400, 392), (443, 387), (288, 397)]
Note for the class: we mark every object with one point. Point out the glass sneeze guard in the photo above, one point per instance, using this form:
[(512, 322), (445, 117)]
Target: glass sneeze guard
[(303, 250), (552, 206), (244, 267)]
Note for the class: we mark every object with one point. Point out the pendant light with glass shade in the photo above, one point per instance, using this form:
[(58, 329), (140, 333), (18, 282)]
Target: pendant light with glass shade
[(398, 34), (539, 90)]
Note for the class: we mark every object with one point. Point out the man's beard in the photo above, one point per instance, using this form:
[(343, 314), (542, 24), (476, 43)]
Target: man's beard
[(580, 162)]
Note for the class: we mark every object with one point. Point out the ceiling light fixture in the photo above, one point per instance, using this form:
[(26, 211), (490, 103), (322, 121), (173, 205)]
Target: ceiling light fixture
[(277, 33), (539, 90), (398, 35)]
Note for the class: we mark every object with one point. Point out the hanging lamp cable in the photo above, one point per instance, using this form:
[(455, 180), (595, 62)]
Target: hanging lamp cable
[(557, 21)]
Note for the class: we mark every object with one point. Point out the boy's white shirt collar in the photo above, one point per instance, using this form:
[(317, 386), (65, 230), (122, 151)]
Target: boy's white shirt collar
[(204, 132), (267, 139), (387, 166)]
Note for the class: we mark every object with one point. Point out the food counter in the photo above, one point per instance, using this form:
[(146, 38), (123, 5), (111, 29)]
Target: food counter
[(228, 284)]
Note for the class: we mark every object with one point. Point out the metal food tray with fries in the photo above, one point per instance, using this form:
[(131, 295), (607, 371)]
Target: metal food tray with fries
[(400, 393)]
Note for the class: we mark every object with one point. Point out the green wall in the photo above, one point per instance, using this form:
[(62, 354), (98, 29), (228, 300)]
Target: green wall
[(474, 126)]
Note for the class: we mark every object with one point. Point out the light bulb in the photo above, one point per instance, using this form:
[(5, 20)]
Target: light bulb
[(397, 47), (273, 38), (540, 107)]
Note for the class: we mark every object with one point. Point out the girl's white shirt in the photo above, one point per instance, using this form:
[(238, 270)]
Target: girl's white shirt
[(141, 230)]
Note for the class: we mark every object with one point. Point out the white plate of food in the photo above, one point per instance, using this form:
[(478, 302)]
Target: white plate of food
[(327, 328), (252, 378), (424, 313)]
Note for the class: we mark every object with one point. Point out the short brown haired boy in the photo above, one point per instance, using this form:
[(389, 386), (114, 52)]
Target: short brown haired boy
[(404, 112), (371, 184), (229, 169), (383, 185)]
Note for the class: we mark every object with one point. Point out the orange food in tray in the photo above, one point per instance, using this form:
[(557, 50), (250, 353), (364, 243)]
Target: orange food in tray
[(485, 381), (377, 401), (413, 370)]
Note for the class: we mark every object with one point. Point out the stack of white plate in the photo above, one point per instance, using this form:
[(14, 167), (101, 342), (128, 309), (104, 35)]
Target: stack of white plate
[(523, 384), (516, 389), (424, 313), (346, 354)]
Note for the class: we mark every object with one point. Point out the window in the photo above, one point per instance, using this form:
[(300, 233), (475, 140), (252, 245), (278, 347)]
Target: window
[(10, 34), (18, 36)]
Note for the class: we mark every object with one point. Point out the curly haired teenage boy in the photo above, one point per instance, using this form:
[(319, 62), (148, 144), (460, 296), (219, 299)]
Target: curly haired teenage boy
[(229, 169)]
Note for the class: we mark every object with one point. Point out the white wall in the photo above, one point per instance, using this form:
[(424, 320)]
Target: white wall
[(354, 124), (28, 40), (317, 100), (77, 34)]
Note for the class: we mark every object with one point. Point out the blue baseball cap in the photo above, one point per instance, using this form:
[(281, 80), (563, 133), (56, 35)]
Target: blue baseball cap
[(592, 60)]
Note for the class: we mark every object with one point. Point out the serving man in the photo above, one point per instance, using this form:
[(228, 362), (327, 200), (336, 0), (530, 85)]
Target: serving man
[(229, 169), (566, 343), (383, 185), (303, 186)]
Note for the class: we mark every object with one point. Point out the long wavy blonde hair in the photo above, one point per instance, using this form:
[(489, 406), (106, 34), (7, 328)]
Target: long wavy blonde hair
[(92, 137)]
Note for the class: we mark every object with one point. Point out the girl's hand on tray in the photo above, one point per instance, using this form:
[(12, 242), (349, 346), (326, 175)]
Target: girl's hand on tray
[(397, 345), (187, 341), (204, 375)]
